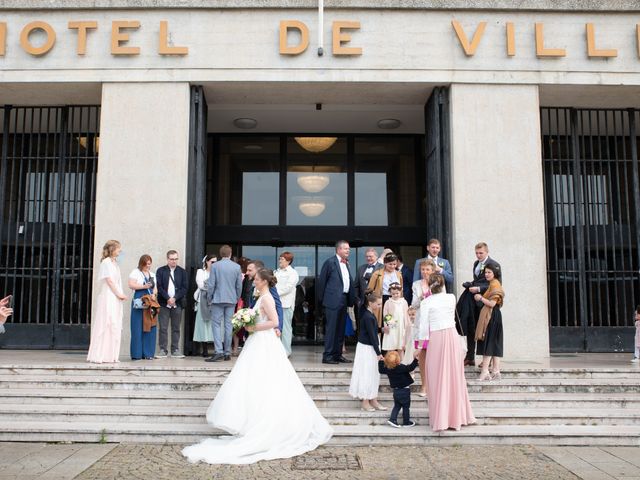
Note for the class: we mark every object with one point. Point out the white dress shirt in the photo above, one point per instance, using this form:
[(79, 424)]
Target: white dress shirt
[(286, 286), (346, 279), (171, 288), (437, 312)]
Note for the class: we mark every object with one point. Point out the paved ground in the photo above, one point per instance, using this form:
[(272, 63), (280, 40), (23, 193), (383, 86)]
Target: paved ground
[(27, 461)]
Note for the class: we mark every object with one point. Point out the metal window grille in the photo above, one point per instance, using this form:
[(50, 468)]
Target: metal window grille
[(48, 162), (592, 202)]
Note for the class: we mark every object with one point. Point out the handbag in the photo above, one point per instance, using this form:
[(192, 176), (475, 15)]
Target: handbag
[(461, 338), (137, 302)]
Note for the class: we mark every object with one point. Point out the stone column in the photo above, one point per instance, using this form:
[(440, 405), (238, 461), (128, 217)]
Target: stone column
[(141, 192), (498, 198)]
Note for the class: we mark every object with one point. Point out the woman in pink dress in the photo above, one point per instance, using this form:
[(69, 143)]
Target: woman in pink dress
[(449, 405), (106, 325)]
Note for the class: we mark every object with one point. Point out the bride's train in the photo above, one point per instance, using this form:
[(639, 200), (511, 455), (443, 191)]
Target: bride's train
[(265, 408)]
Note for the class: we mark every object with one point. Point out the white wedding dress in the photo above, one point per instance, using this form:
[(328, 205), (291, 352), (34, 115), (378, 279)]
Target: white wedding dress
[(264, 405)]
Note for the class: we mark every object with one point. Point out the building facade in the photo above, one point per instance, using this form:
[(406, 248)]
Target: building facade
[(172, 124)]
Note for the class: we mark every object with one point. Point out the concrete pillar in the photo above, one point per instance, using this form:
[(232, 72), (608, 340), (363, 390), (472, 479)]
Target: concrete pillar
[(141, 193), (498, 198)]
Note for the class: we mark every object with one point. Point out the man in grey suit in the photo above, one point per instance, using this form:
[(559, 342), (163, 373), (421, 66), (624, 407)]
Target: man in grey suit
[(224, 288), (443, 267)]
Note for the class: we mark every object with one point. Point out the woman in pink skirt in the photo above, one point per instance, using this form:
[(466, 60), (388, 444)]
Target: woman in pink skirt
[(106, 325), (449, 405)]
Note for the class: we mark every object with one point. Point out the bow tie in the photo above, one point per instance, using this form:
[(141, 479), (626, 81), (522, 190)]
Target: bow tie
[(342, 260)]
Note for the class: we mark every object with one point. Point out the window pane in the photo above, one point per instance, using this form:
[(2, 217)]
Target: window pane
[(385, 182), (248, 181), (264, 253), (317, 185)]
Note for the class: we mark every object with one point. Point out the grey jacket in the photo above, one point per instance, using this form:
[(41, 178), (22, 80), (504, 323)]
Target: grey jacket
[(224, 284)]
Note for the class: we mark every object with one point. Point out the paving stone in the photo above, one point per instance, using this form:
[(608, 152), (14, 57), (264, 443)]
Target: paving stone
[(160, 462)]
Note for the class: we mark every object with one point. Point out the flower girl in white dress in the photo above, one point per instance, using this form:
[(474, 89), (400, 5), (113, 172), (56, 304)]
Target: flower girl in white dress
[(262, 403)]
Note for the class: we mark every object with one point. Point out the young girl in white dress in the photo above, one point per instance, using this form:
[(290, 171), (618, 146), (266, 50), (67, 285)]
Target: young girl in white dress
[(262, 403), (397, 307)]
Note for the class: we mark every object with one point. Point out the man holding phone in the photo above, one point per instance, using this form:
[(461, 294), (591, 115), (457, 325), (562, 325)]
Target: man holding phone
[(6, 310)]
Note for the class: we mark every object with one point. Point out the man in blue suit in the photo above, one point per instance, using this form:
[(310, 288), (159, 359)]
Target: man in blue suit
[(224, 288), (335, 291), (250, 300), (443, 266)]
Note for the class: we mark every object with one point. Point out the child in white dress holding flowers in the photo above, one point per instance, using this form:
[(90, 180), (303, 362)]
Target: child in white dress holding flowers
[(396, 307)]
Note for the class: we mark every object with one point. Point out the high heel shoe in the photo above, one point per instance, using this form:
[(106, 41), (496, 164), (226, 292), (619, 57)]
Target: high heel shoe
[(380, 407), (483, 377), (368, 409), (496, 376)]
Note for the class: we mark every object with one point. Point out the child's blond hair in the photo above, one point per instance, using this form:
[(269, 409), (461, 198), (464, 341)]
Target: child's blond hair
[(391, 359)]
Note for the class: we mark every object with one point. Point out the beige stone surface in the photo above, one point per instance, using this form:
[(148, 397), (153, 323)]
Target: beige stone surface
[(141, 195), (497, 198), (398, 45)]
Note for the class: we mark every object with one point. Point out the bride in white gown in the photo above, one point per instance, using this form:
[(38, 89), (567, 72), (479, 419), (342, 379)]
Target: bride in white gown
[(262, 403)]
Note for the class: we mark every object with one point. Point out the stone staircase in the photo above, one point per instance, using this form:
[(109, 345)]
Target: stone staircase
[(166, 404)]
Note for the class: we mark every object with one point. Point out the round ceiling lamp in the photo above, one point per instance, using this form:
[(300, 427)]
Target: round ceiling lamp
[(313, 183), (389, 123), (311, 208), (316, 144), (245, 123)]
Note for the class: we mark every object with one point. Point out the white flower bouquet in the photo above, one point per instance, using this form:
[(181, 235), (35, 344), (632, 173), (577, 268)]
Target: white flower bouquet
[(389, 321), (243, 318)]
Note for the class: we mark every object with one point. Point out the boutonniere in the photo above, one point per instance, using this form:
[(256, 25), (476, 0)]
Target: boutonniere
[(441, 264), (256, 293)]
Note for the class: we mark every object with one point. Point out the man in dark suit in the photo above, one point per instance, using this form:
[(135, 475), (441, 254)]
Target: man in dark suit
[(363, 275), (252, 268), (407, 279), (335, 290), (467, 308), (172, 289)]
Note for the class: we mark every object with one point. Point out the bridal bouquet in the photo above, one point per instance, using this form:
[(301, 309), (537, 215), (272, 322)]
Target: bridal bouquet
[(389, 321), (243, 318)]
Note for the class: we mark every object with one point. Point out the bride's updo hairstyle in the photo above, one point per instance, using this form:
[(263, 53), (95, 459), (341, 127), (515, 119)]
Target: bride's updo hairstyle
[(266, 274), (436, 283)]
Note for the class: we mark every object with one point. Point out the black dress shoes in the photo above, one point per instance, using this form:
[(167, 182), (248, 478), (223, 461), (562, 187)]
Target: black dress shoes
[(215, 358), (227, 357), (331, 362), (342, 359)]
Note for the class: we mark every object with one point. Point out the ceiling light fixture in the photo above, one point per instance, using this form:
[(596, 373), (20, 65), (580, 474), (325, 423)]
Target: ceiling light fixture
[(311, 208), (316, 144), (389, 123), (313, 183), (245, 123)]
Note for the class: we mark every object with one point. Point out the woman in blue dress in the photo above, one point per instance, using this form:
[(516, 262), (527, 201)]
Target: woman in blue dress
[(142, 281)]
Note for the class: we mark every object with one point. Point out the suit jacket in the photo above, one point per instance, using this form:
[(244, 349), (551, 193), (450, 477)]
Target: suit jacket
[(407, 281), (362, 283), (181, 285), (447, 272), (479, 280), (224, 284), (330, 287)]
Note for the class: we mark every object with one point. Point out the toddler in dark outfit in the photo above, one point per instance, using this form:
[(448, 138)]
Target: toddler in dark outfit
[(400, 381)]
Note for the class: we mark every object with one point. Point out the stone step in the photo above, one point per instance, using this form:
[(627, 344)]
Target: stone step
[(213, 382), (110, 414), (198, 368), (619, 435), (339, 399)]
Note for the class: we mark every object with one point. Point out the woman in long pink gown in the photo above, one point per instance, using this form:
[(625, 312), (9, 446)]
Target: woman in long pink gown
[(106, 325)]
